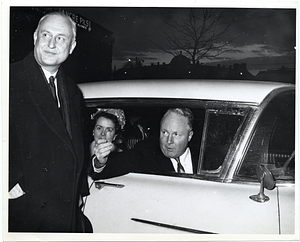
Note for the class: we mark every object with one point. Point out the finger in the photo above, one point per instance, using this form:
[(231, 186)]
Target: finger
[(102, 148), (101, 141), (106, 148), (105, 154)]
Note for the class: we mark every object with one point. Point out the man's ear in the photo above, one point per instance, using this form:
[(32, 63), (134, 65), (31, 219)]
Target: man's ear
[(34, 37), (73, 45), (190, 135)]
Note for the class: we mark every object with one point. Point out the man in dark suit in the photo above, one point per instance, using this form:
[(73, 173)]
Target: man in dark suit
[(170, 154), (47, 175)]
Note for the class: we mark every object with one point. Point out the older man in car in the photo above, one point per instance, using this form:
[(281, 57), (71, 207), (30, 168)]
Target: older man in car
[(171, 154)]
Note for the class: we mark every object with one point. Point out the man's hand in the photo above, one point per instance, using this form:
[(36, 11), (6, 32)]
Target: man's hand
[(102, 149)]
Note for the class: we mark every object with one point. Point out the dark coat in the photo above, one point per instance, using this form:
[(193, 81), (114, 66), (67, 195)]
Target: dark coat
[(146, 156), (44, 158)]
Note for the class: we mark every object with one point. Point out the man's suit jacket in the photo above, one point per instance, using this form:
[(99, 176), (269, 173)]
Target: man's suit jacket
[(146, 156), (45, 157)]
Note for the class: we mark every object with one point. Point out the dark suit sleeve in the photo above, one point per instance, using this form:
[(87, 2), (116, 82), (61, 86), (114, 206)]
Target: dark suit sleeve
[(84, 189), (15, 173), (15, 141), (123, 162)]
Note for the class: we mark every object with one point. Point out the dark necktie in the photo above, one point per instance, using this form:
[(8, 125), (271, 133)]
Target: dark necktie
[(180, 168), (60, 101), (52, 87)]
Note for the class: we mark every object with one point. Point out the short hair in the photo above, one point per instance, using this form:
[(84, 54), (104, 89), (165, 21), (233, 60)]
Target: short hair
[(109, 116), (185, 112), (73, 24)]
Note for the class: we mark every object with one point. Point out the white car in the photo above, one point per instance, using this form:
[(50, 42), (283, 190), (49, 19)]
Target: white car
[(245, 182)]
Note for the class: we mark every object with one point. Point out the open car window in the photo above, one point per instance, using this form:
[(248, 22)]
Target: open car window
[(215, 129)]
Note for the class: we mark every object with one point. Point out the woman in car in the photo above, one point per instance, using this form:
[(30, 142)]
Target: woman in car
[(108, 124)]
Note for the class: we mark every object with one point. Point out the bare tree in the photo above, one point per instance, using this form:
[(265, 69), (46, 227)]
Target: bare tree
[(196, 35)]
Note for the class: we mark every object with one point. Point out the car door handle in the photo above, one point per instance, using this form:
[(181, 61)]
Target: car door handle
[(100, 185)]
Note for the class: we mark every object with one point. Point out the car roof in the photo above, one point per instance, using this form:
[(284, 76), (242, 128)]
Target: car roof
[(225, 90)]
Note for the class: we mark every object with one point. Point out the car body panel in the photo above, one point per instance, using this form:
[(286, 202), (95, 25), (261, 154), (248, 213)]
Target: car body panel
[(288, 209), (225, 90), (161, 199)]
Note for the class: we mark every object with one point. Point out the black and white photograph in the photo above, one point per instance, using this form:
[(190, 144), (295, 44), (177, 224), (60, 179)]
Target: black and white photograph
[(150, 122)]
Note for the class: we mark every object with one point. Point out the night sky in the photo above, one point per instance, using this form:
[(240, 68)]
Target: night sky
[(264, 38)]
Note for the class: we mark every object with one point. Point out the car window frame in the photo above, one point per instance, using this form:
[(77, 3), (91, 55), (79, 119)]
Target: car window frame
[(222, 176), (233, 111)]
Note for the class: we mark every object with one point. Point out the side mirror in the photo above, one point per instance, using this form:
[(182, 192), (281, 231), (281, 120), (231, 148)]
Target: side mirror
[(266, 181)]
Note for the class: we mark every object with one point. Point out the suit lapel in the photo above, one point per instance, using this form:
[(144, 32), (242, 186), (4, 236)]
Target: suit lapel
[(65, 103), (44, 102), (73, 116), (163, 161), (167, 164)]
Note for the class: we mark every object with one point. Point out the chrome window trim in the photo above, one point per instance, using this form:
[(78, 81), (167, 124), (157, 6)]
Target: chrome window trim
[(193, 103), (207, 104)]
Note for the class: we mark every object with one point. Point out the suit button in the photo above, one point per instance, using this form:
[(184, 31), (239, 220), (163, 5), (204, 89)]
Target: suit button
[(43, 204), (45, 169)]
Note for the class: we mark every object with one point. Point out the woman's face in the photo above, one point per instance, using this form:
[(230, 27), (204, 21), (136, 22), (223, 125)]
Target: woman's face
[(104, 129)]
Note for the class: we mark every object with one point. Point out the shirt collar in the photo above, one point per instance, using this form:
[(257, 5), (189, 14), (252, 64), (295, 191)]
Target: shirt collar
[(185, 154), (48, 74), (185, 160)]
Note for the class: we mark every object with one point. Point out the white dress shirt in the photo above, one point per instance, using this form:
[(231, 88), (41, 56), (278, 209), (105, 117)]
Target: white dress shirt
[(185, 160), (47, 75)]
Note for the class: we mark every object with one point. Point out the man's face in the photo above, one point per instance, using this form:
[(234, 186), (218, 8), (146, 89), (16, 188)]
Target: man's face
[(53, 42), (174, 135)]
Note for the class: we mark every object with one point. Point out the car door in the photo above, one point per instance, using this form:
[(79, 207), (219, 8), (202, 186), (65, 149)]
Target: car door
[(209, 207), (190, 201)]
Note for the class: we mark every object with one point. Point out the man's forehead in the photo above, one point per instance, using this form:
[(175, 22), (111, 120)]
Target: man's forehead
[(174, 115), (174, 118), (56, 23)]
